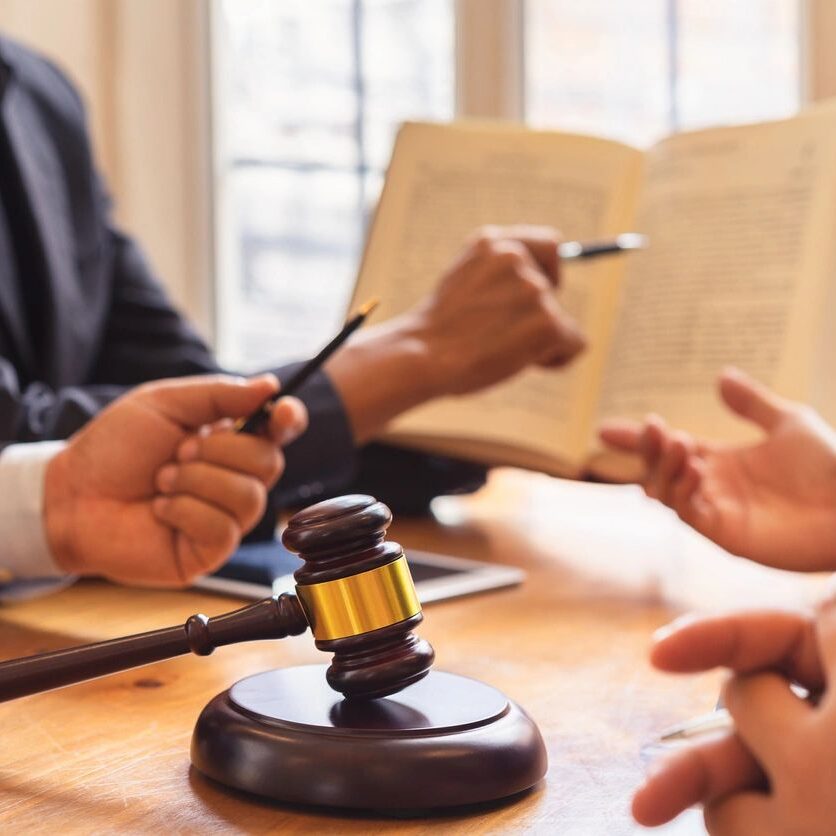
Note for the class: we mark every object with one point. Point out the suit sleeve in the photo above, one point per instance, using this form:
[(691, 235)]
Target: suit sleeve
[(143, 338), (146, 338)]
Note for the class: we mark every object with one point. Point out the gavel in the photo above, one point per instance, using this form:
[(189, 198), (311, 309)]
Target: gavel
[(354, 591)]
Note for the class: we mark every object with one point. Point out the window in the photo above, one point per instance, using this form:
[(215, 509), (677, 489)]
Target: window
[(308, 97), (641, 71)]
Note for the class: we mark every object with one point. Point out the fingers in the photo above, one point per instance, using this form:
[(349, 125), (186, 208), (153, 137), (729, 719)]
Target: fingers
[(743, 642), (684, 497), (698, 774), (653, 446), (288, 420), (751, 400), (741, 813), (540, 242), (248, 454), (244, 498), (673, 469), (567, 340), (493, 314), (652, 441), (555, 336), (766, 715), (825, 630), (676, 449), (194, 401), (213, 534), (621, 434)]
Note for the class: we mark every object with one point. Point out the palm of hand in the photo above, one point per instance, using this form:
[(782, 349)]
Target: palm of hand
[(774, 502)]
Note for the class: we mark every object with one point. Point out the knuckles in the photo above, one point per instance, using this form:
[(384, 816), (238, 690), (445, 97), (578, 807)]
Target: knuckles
[(230, 538), (273, 470), (488, 245), (257, 503), (510, 260), (484, 237)]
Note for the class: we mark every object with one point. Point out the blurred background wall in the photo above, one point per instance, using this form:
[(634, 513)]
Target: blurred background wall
[(142, 68)]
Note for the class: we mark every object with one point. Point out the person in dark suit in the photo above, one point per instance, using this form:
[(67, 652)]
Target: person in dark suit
[(83, 319)]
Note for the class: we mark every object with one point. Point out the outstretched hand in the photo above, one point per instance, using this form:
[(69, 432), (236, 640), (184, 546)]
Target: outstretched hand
[(157, 489), (773, 501), (775, 772)]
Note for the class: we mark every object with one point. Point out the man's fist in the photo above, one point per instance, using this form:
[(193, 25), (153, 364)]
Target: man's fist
[(158, 489), (495, 313)]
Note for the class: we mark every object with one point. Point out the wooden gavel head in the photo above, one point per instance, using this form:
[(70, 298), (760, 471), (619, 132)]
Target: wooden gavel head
[(358, 596)]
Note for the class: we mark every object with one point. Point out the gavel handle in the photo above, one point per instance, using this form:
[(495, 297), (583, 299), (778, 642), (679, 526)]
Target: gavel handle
[(272, 618)]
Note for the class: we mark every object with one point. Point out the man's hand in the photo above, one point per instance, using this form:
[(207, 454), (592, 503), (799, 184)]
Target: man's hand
[(773, 502), (775, 773), (156, 489), (493, 313)]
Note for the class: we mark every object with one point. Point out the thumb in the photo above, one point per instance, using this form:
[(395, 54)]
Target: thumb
[(621, 434), (826, 638), (751, 400), (195, 401)]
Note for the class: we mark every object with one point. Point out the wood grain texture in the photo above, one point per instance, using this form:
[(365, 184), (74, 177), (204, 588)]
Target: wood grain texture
[(112, 755)]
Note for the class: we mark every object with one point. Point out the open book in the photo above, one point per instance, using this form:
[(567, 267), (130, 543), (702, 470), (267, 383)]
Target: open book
[(739, 270)]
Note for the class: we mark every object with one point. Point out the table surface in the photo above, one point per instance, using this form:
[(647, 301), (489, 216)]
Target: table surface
[(605, 568)]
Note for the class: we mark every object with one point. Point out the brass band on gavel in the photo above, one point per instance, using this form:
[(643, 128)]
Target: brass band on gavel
[(360, 603)]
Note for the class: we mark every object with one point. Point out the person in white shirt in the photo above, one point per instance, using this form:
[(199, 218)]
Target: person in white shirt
[(154, 491)]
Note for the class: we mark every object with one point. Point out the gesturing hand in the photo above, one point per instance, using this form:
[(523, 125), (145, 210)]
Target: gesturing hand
[(775, 773), (156, 490), (773, 501)]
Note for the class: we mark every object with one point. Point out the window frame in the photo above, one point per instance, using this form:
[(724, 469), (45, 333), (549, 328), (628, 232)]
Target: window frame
[(489, 83)]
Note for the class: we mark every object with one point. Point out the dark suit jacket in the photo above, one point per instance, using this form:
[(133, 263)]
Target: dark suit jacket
[(109, 326)]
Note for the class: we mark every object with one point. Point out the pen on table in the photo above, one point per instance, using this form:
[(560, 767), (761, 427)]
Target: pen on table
[(259, 418), (720, 719), (715, 721), (570, 250)]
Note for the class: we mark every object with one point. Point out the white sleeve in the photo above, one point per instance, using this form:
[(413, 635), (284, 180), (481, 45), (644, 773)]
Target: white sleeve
[(27, 567)]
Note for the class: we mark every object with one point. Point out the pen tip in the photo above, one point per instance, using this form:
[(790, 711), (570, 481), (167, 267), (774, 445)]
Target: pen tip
[(633, 241), (367, 307)]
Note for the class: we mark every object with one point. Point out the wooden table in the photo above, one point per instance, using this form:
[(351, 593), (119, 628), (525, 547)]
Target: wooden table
[(606, 567)]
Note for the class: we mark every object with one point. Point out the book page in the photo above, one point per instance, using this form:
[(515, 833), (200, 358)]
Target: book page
[(446, 181), (740, 223)]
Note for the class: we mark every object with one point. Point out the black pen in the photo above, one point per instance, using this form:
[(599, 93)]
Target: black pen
[(570, 250), (255, 422)]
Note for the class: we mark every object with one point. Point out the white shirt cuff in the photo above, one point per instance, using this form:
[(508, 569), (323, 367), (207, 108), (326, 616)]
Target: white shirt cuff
[(24, 550)]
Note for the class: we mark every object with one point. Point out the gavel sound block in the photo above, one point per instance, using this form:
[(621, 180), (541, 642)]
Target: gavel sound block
[(377, 729)]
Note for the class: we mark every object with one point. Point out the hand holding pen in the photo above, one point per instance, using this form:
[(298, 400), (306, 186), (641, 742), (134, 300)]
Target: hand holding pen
[(256, 422), (567, 251), (775, 732)]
